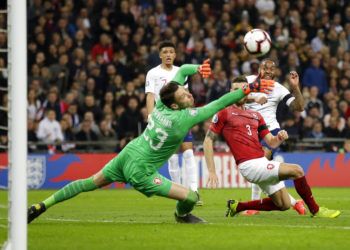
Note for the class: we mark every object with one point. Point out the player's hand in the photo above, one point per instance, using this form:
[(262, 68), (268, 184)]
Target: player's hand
[(261, 99), (260, 85), (205, 69), (293, 79), (282, 135), (213, 180)]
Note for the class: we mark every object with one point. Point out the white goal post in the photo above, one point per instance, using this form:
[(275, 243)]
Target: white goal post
[(17, 124)]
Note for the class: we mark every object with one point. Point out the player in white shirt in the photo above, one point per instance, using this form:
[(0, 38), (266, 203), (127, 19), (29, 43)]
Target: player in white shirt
[(266, 105), (156, 78)]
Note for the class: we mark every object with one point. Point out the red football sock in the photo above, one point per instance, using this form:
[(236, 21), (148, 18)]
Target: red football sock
[(305, 193), (265, 204)]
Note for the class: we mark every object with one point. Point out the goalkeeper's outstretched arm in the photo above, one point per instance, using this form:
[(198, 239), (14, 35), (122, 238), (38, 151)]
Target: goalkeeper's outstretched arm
[(191, 69), (230, 98)]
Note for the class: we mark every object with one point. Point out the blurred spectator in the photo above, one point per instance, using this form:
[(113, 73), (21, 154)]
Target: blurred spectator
[(86, 134), (198, 90), (73, 113), (315, 76), (307, 126), (31, 128), (344, 108), (60, 73), (291, 127), (107, 134), (130, 121), (317, 43), (334, 114), (68, 136), (103, 51), (89, 116), (332, 130), (49, 130), (314, 101), (346, 147), (316, 131), (91, 106), (127, 94), (52, 103), (219, 88)]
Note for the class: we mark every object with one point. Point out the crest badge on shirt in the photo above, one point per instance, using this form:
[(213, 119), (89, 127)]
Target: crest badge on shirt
[(215, 119), (270, 166), (193, 112), (157, 181), (255, 116)]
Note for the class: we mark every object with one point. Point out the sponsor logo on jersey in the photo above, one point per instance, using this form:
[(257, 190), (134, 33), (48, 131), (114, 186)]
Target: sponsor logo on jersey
[(193, 112), (270, 166), (234, 113), (215, 119), (157, 181)]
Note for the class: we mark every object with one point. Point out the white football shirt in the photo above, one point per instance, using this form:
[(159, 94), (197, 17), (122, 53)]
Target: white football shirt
[(157, 77), (268, 110)]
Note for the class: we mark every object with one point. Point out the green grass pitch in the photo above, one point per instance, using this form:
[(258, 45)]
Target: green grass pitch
[(125, 219)]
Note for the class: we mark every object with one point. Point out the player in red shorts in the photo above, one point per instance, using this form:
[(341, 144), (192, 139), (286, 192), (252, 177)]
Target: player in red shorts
[(242, 130)]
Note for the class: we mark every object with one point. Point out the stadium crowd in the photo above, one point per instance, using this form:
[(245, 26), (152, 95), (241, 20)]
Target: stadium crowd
[(87, 62)]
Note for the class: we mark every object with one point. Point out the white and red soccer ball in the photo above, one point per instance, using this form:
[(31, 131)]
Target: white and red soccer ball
[(257, 42)]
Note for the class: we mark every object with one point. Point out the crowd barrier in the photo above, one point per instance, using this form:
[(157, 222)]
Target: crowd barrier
[(54, 171)]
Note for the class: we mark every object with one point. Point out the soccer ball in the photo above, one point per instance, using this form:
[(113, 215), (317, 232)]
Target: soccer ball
[(257, 42)]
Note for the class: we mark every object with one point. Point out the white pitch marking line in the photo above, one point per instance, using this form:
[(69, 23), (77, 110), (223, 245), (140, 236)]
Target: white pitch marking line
[(239, 224)]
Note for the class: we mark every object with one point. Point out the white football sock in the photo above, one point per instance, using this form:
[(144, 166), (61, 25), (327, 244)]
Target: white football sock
[(191, 169), (256, 192), (174, 168), (292, 200)]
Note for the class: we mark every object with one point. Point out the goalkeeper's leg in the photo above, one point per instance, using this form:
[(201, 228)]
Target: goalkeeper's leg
[(69, 191), (156, 184)]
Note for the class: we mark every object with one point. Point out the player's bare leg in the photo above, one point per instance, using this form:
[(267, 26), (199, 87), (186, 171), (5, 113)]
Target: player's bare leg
[(69, 191), (298, 205), (296, 173), (186, 201)]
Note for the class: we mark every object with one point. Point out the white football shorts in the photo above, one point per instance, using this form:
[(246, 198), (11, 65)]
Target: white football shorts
[(264, 173)]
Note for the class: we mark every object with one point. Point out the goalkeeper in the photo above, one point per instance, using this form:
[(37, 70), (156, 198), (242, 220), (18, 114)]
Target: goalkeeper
[(139, 161)]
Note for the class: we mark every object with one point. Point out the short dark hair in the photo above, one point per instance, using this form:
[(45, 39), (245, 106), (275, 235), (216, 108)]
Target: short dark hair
[(166, 44), (266, 60), (167, 93), (241, 78)]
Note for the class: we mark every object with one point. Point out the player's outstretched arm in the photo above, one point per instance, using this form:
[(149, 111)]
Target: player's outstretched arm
[(207, 111), (208, 146), (191, 69)]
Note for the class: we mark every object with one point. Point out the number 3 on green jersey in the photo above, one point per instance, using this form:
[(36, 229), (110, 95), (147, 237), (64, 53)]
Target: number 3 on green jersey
[(161, 135)]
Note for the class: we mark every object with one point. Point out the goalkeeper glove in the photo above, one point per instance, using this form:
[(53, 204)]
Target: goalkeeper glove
[(205, 69), (260, 85)]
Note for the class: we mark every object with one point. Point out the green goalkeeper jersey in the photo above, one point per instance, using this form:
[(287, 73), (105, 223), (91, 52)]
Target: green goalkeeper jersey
[(167, 128)]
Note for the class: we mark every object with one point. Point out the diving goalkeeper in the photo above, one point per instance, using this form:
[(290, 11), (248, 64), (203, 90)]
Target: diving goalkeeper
[(139, 161)]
